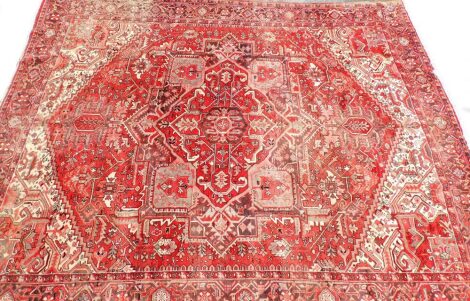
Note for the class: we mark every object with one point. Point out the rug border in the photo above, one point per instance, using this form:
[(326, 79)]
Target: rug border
[(29, 51), (436, 142), (23, 85)]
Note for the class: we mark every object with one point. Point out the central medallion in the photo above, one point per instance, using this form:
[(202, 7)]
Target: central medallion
[(223, 128), (224, 125)]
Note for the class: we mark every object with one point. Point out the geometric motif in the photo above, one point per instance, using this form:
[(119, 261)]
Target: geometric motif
[(230, 151)]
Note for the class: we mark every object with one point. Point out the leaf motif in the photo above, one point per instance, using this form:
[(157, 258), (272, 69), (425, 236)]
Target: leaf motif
[(186, 124)]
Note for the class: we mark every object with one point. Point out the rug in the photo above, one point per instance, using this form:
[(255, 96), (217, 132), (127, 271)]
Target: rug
[(230, 150)]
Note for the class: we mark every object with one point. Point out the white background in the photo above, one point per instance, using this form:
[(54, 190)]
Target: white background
[(443, 26)]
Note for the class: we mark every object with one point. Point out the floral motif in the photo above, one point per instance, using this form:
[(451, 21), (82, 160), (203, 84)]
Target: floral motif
[(165, 246)]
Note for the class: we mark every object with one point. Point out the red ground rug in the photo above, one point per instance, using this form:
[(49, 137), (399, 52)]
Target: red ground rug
[(230, 150)]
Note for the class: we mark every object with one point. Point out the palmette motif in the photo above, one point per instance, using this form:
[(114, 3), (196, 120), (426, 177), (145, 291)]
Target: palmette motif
[(230, 151)]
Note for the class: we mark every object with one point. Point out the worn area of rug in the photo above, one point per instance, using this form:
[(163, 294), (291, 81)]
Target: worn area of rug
[(230, 150)]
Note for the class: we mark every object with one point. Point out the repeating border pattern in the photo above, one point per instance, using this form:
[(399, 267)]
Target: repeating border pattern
[(447, 145)]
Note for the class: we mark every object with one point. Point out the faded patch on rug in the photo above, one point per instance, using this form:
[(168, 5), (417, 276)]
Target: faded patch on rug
[(219, 150)]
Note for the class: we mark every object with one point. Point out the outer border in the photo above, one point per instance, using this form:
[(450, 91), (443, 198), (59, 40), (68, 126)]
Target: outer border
[(444, 134), (27, 88), (447, 144)]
